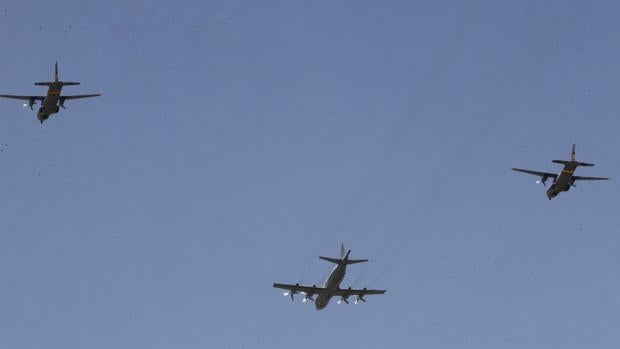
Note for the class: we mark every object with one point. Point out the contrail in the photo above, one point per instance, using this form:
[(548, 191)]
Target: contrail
[(337, 233)]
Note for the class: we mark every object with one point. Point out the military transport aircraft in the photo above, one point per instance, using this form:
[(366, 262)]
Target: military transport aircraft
[(332, 285), (565, 179), (51, 103)]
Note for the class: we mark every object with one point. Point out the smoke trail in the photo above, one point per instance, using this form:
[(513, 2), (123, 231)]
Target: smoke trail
[(337, 232)]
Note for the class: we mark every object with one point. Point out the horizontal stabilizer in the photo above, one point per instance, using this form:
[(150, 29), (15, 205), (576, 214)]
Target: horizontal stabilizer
[(563, 162), (62, 83), (354, 261), (333, 260), (585, 164), (347, 261)]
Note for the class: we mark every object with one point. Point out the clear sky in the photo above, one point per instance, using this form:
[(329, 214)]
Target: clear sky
[(236, 141)]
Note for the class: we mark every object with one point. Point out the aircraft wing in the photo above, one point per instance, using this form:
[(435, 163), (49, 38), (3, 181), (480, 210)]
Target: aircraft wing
[(26, 98), (590, 178), (346, 292), (66, 98), (353, 292), (537, 173), (297, 288)]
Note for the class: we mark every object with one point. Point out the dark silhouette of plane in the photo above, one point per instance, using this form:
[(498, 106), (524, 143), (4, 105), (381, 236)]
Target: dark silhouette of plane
[(565, 179), (53, 101), (332, 285)]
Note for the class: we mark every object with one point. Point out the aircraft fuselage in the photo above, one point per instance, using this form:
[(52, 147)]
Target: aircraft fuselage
[(50, 105), (564, 181), (332, 284)]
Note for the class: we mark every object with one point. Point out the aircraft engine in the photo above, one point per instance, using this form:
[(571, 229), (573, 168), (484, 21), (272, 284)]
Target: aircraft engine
[(344, 298), (309, 295), (292, 293), (31, 102), (543, 180), (360, 297)]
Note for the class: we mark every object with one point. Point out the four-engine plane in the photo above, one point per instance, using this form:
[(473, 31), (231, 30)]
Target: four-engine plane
[(331, 288)]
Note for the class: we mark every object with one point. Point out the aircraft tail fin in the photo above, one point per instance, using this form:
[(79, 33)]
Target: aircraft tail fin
[(56, 79), (573, 160), (344, 258)]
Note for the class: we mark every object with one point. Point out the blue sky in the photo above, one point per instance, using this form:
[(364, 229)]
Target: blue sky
[(236, 141)]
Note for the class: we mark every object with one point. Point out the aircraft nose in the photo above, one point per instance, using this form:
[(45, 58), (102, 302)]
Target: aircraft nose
[(42, 117), (319, 304)]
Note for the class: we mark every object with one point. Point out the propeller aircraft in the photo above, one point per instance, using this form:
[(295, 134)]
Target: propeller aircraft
[(53, 101), (331, 288), (565, 179)]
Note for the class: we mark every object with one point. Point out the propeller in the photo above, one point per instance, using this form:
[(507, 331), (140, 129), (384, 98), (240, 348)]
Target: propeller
[(543, 180), (291, 293), (309, 295), (30, 103), (360, 297), (344, 297)]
